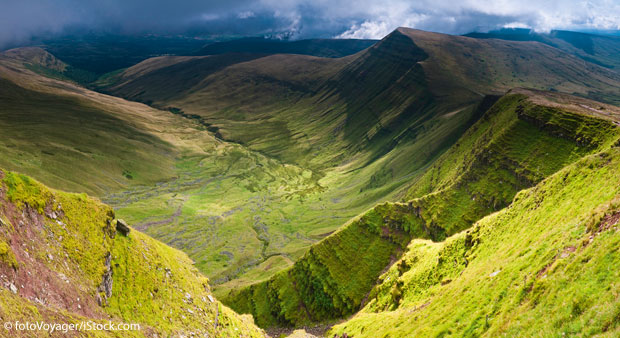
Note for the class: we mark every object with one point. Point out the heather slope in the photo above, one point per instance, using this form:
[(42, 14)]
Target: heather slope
[(63, 260)]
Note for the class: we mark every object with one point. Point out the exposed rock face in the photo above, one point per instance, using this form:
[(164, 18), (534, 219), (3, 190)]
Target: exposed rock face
[(106, 282), (110, 229), (13, 288), (122, 227)]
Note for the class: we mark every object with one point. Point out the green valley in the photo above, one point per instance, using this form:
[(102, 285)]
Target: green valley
[(424, 184)]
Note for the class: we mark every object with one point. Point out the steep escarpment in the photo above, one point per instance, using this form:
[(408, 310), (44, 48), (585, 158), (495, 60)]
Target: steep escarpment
[(515, 145), (464, 67), (543, 266), (63, 260), (320, 112)]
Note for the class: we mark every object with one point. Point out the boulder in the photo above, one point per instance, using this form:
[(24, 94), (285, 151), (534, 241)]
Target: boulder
[(13, 288), (122, 227)]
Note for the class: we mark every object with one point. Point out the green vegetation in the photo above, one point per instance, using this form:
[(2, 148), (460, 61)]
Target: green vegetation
[(515, 145), (68, 241), (22, 191), (75, 142), (546, 265), (250, 164)]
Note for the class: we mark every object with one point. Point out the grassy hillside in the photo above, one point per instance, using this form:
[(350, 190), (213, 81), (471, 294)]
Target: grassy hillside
[(175, 180), (361, 127), (63, 260), (71, 137), (602, 50), (244, 161), (544, 266), (516, 144)]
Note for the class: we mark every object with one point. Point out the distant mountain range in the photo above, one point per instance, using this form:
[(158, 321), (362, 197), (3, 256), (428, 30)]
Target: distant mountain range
[(602, 50)]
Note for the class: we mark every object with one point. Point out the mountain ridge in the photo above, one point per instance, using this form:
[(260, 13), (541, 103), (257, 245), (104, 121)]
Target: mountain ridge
[(334, 277)]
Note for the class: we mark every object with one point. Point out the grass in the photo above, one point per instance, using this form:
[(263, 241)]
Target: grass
[(72, 135), (515, 145), (533, 268), (252, 160), (153, 284)]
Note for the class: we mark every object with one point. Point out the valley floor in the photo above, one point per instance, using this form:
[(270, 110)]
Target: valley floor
[(242, 216)]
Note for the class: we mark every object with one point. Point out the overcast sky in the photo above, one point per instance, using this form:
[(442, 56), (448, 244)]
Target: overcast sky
[(21, 19)]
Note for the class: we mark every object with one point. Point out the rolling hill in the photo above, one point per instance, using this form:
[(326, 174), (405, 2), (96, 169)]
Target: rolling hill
[(602, 50)]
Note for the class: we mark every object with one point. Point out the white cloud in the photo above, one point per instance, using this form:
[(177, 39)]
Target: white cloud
[(303, 18), (451, 16), (366, 30), (516, 24), (246, 14)]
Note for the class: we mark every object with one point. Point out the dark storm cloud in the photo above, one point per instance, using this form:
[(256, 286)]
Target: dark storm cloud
[(20, 19)]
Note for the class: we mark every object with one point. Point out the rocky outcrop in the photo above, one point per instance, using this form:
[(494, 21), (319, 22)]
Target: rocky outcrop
[(122, 227), (105, 288)]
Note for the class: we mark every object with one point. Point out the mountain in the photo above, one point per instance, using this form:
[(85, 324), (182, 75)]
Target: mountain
[(351, 190), (602, 50), (65, 259), (298, 99), (363, 127), (523, 138), (316, 47), (538, 267)]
